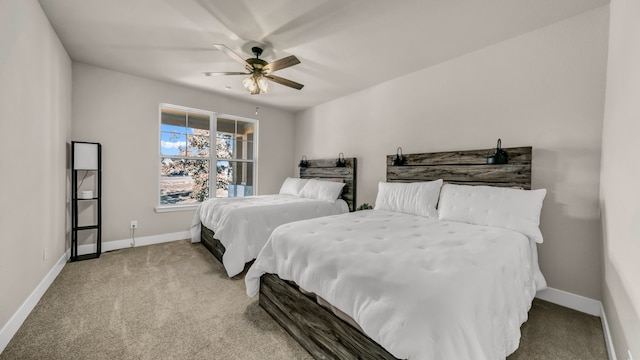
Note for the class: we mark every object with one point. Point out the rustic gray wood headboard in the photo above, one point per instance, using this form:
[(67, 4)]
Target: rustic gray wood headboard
[(464, 167), (326, 168)]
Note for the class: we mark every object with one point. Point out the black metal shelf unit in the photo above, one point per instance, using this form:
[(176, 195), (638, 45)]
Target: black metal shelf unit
[(80, 152)]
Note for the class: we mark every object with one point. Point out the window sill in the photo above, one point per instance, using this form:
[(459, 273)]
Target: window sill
[(163, 209)]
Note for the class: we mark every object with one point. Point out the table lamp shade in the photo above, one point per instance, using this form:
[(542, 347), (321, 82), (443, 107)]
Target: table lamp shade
[(85, 156)]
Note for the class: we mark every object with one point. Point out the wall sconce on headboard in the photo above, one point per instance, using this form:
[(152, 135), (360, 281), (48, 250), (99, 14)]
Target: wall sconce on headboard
[(340, 161), (398, 159), (499, 156), (303, 162)]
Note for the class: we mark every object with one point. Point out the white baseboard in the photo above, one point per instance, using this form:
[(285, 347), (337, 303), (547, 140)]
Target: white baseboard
[(141, 241), (12, 326), (572, 301), (583, 304), (563, 298), (607, 335)]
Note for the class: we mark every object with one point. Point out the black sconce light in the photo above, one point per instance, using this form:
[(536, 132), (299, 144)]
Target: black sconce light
[(303, 162), (499, 156), (340, 161), (398, 159)]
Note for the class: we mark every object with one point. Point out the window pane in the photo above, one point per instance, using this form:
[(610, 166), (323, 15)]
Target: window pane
[(199, 144), (173, 117), (244, 139), (225, 135), (245, 129), (171, 167), (184, 133), (183, 181), (234, 179), (223, 178), (224, 145), (226, 126), (229, 147), (198, 121), (172, 143), (244, 149)]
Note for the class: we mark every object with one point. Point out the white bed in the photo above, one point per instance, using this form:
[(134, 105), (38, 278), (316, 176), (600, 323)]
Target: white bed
[(422, 287), (244, 224)]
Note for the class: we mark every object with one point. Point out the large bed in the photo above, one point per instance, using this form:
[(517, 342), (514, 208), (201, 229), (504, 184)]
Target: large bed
[(403, 282), (235, 229)]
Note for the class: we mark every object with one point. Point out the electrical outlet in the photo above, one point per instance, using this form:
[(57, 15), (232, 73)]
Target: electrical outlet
[(134, 224), (44, 254), (629, 357)]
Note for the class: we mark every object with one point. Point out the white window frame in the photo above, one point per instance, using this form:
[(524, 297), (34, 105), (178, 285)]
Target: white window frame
[(213, 160)]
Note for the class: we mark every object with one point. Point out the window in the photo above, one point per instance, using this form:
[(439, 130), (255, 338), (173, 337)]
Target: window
[(235, 144), (186, 161)]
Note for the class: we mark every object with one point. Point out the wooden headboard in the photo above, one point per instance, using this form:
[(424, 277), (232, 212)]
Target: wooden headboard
[(464, 167), (326, 168)]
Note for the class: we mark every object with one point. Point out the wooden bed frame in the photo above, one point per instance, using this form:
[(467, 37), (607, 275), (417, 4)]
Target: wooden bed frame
[(316, 169), (317, 329)]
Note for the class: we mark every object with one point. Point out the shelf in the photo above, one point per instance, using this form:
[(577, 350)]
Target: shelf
[(88, 227), (86, 157), (84, 257)]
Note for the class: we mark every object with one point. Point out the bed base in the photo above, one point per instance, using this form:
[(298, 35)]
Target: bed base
[(212, 244), (319, 331)]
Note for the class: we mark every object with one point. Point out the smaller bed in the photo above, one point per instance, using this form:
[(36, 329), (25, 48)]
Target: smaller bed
[(235, 229)]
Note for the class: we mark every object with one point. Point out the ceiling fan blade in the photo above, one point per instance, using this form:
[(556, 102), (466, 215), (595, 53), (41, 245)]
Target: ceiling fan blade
[(285, 82), (233, 55), (281, 64), (209, 73)]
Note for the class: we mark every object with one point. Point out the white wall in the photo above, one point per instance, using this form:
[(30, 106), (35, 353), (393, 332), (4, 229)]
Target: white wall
[(544, 89), (120, 111), (619, 192), (35, 127)]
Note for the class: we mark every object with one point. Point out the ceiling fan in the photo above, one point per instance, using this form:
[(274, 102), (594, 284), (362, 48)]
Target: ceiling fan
[(259, 70)]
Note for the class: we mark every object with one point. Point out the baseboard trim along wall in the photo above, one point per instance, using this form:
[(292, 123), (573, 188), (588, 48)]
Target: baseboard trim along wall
[(582, 304), (12, 326), (570, 300), (559, 297), (607, 335), (141, 241)]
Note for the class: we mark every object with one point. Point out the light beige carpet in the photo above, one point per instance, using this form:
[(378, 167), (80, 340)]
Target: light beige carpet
[(174, 301)]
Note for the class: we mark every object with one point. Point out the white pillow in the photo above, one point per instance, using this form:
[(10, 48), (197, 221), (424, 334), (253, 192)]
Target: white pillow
[(328, 191), (292, 186), (417, 198), (507, 208)]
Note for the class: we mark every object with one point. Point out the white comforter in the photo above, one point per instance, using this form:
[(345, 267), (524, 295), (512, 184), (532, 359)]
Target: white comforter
[(421, 288), (243, 224)]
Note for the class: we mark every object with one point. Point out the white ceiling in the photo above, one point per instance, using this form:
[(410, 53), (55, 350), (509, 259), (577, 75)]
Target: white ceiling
[(343, 45)]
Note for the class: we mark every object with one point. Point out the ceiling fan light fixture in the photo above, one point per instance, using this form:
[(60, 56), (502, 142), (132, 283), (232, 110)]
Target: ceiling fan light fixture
[(250, 84), (259, 70), (263, 84)]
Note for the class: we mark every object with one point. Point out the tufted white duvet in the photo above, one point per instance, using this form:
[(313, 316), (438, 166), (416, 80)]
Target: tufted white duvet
[(421, 288), (243, 224)]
